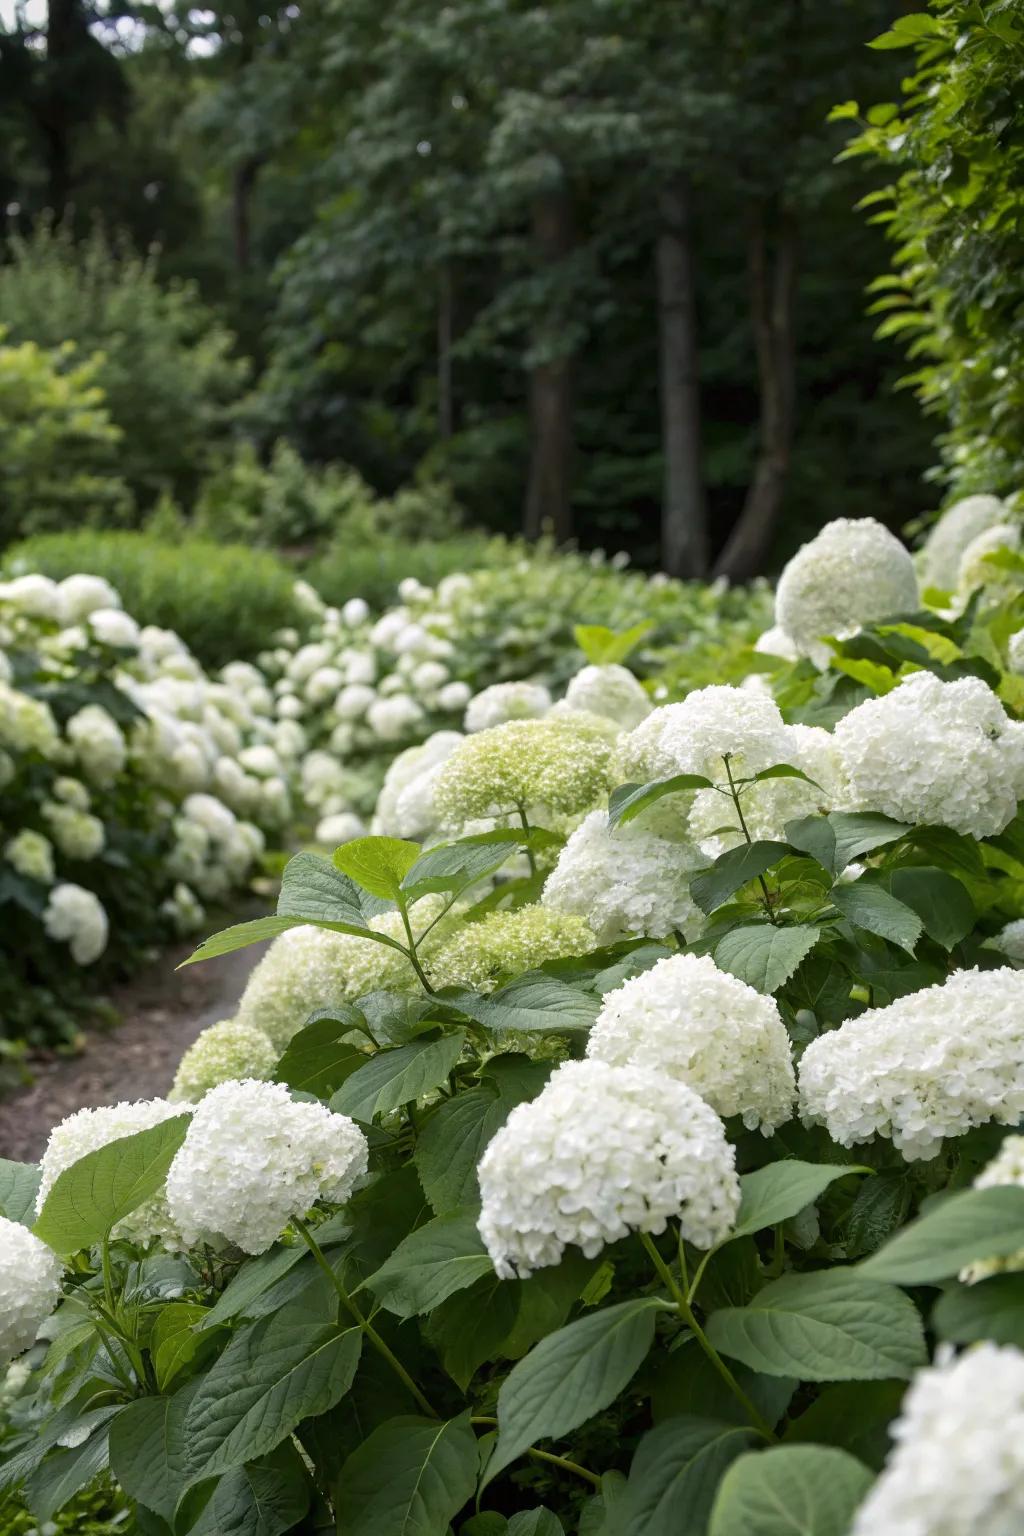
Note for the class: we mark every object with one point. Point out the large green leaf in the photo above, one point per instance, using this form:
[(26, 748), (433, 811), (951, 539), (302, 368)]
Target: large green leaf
[(942, 902), (63, 1475), (837, 839), (869, 905), (603, 646), (571, 1375), (471, 1327), (149, 1454), (174, 1341), (378, 864), (533, 1003), (19, 1186), (272, 1375), (249, 1283), (535, 1522), (395, 1077), (264, 1498), (240, 936), (430, 1265), (410, 1477), (314, 891), (453, 1139), (855, 1416), (454, 867), (763, 955), (318, 1060), (989, 1309), (972, 1224), (70, 1420), (799, 1490), (106, 1185), (826, 1326), (675, 1474), (627, 802), (780, 1190), (735, 868)]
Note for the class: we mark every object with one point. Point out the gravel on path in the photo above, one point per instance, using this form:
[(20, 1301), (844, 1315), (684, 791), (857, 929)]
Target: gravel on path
[(163, 1010)]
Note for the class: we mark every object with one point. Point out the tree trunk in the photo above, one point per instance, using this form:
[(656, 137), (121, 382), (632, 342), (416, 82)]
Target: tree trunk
[(445, 333), (242, 187), (684, 540), (772, 300), (549, 485), (63, 27)]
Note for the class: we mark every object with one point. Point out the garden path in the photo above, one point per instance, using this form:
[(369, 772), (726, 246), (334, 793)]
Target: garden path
[(162, 1012)]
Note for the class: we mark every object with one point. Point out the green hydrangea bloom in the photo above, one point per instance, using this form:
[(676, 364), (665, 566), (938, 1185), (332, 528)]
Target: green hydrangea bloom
[(560, 764), (504, 944), (228, 1050)]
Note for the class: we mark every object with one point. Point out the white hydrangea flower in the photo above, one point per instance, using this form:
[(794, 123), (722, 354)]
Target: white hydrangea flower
[(601, 1152), (957, 1463), (355, 612), (454, 696), (776, 642), (27, 724), (935, 754), (308, 598), (392, 718), (229, 1050), (98, 742), (114, 627), (77, 916), (696, 735), (77, 834), (930, 1065), (852, 573), (1010, 940), (407, 767), (626, 881), (690, 1021), (958, 526), (31, 855), (768, 806), (411, 590), (561, 765), (71, 792), (29, 1287), (429, 676), (609, 690), (323, 685), (340, 827), (1015, 652), (89, 1129), (35, 595), (254, 1158), (976, 572), (183, 908), (506, 701), (81, 595), (501, 945), (1007, 1167)]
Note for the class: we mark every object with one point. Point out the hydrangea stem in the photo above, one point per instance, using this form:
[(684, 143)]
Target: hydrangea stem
[(735, 795), (354, 1312), (549, 1457), (686, 1313)]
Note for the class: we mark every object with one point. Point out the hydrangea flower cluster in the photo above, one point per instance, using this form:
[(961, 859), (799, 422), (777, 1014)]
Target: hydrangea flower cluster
[(1007, 1167), (769, 805), (89, 1129), (230, 1049), (697, 735), (506, 701), (935, 754), (957, 1465), (76, 917), (686, 1019), (405, 807), (957, 528), (854, 572), (930, 1065), (609, 690), (977, 572), (504, 944), (29, 1287), (254, 1158), (626, 880), (601, 1152), (30, 854), (556, 765)]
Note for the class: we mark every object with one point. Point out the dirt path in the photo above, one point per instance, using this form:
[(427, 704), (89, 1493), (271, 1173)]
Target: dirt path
[(163, 1010)]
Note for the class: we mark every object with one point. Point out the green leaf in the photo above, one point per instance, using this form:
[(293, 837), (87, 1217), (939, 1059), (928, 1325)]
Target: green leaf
[(19, 1186), (456, 866), (837, 839), (605, 647), (63, 1475), (881, 1205), (314, 891), (453, 1139), (734, 869), (533, 1002), (784, 771), (470, 1328), (430, 1265), (535, 1522), (943, 904), (870, 906), (317, 1060), (853, 1415), (629, 800), (106, 1185), (972, 1224), (173, 1341), (272, 1375), (410, 1477), (989, 1309), (685, 1382), (796, 1490), (675, 1474), (398, 1076), (148, 1450), (825, 1326), (15, 1469), (264, 1498), (240, 936), (780, 1190), (378, 864), (570, 1376), (255, 1276), (763, 955)]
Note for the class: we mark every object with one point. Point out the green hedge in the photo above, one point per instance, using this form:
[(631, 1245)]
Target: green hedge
[(372, 568), (224, 600)]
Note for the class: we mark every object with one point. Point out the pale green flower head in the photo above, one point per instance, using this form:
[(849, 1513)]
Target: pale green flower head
[(31, 855), (504, 944), (230, 1049), (556, 764)]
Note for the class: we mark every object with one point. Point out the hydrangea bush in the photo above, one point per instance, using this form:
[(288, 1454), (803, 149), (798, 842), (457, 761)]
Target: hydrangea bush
[(635, 1151)]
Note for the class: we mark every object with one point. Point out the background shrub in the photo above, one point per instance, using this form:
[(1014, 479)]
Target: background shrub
[(224, 600), (360, 562)]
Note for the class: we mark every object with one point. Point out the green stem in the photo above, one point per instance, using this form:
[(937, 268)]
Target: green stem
[(552, 1460), (686, 1313), (411, 952), (108, 1277), (526, 828), (734, 792), (360, 1321)]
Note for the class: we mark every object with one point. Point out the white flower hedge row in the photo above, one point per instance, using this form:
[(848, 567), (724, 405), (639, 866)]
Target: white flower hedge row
[(635, 1151)]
